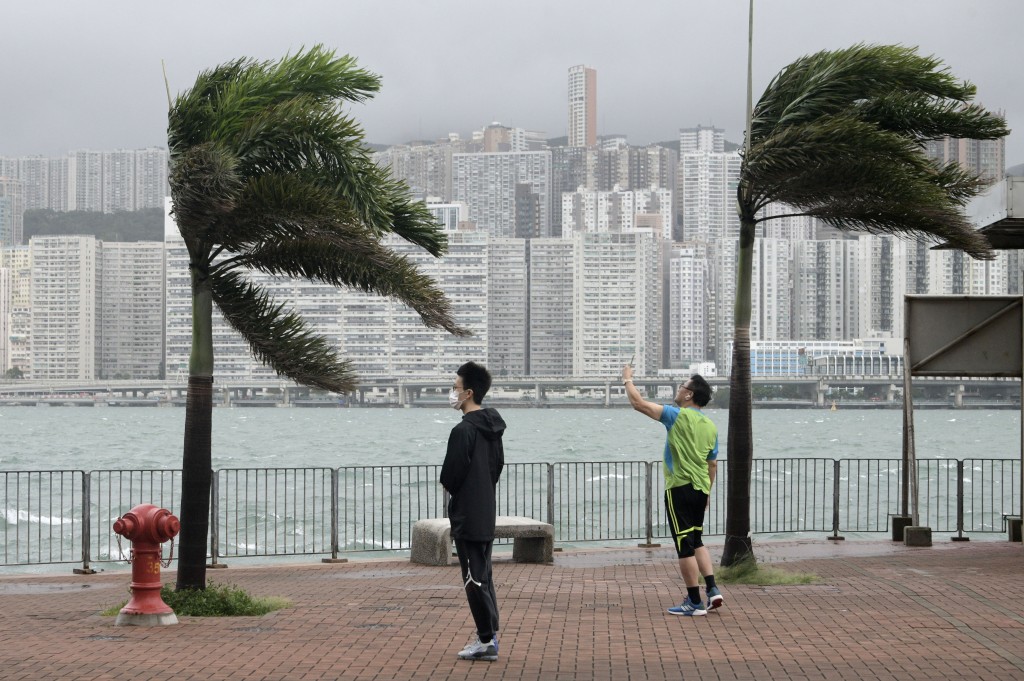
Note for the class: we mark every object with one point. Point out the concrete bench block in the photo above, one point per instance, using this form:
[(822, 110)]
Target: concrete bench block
[(914, 535), (533, 541)]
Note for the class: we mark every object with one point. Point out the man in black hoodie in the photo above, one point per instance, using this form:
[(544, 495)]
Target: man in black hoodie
[(470, 474)]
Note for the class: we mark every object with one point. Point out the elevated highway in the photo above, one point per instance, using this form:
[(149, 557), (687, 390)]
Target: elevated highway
[(769, 392)]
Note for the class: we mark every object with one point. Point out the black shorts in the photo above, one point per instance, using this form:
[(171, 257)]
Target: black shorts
[(685, 508)]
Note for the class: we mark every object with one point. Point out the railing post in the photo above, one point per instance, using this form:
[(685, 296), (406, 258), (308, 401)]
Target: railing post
[(960, 502), (551, 494), (214, 512), (335, 542), (649, 507), (835, 501), (86, 520), (334, 513)]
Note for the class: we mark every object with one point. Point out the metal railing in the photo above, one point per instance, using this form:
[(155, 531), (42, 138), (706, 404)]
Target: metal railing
[(67, 516)]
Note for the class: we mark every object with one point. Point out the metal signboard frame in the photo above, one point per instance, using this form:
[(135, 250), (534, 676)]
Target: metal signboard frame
[(970, 336)]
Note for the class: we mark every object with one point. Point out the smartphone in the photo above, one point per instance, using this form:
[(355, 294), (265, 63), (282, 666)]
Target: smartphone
[(631, 359)]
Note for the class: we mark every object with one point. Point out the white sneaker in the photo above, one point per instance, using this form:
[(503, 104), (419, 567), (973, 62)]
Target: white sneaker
[(479, 651)]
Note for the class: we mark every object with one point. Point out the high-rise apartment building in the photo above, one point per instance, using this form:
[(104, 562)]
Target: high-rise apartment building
[(685, 320), (582, 106), (495, 187), (426, 168), (984, 157), (826, 295), (150, 178), (65, 307), (12, 211), (108, 181), (616, 303), (118, 181), (883, 272), (15, 340), (5, 316), (771, 293), (508, 322), (34, 173), (131, 328), (85, 180), (707, 201), (551, 286), (952, 272), (701, 138)]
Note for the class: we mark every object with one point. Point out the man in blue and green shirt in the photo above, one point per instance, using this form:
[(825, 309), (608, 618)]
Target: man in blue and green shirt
[(690, 465)]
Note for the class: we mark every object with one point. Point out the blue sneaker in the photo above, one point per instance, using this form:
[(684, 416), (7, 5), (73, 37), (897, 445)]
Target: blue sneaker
[(688, 608), (715, 599)]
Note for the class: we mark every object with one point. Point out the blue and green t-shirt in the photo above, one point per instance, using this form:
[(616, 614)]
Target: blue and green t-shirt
[(692, 441)]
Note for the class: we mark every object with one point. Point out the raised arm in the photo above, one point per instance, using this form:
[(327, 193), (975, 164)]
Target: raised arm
[(636, 399)]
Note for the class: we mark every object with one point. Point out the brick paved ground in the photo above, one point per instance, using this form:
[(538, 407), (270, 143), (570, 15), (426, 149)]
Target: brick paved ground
[(879, 611)]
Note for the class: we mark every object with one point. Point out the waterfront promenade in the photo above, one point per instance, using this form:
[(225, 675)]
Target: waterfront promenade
[(880, 610)]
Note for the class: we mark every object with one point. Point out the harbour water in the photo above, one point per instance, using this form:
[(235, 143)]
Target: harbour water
[(69, 438)]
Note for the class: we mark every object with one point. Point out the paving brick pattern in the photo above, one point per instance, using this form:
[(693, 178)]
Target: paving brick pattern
[(880, 611)]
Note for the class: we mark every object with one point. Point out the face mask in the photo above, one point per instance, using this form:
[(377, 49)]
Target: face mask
[(453, 399)]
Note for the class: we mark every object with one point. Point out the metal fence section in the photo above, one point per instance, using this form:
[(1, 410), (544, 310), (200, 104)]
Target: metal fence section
[(991, 492), (600, 500), (791, 495), (42, 519), (379, 504), (271, 511), (67, 516), (869, 493), (111, 494)]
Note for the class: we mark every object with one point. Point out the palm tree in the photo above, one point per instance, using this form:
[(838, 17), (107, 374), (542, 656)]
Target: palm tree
[(268, 174), (839, 136)]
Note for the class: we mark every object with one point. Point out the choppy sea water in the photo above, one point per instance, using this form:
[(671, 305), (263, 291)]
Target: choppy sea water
[(113, 438), (99, 438)]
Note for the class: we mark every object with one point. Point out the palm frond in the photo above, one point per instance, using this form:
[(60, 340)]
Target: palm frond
[(366, 265), (265, 163), (280, 338), (839, 135), (225, 98)]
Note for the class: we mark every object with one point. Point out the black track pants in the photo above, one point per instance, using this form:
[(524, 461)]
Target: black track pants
[(475, 560)]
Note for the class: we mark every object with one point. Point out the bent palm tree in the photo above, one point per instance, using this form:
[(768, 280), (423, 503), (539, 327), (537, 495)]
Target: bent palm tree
[(839, 136), (268, 174)]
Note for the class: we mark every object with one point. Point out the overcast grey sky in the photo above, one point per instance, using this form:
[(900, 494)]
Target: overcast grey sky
[(87, 74)]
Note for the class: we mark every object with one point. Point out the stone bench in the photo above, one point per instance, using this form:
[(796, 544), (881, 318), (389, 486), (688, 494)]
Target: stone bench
[(534, 541)]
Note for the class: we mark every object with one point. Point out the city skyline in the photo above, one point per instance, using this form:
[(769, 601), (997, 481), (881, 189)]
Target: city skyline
[(443, 71)]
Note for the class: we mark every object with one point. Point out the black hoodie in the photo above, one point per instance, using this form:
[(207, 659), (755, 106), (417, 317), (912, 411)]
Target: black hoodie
[(470, 473)]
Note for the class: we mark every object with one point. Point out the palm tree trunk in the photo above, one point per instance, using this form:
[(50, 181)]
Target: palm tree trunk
[(196, 468), (740, 455)]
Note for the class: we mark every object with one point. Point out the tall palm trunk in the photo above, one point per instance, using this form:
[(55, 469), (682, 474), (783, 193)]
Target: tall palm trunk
[(740, 454), (196, 474)]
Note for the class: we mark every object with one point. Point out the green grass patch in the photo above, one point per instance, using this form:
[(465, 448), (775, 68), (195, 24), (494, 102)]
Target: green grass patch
[(750, 572), (216, 600)]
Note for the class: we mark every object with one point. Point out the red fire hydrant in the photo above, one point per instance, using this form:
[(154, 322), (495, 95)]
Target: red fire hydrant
[(146, 526)]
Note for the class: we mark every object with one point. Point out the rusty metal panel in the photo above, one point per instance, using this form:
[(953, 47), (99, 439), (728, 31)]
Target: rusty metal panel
[(964, 335)]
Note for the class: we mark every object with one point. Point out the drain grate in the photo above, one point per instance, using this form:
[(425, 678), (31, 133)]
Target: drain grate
[(255, 630), (101, 637)]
